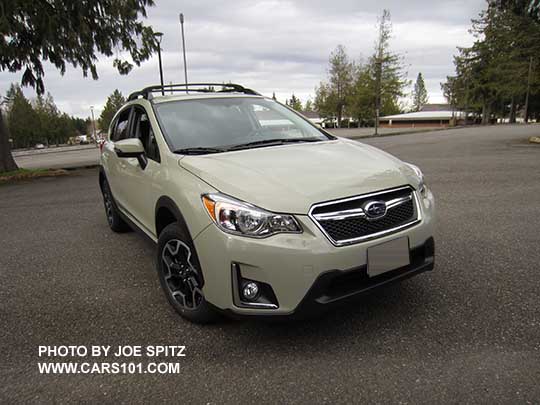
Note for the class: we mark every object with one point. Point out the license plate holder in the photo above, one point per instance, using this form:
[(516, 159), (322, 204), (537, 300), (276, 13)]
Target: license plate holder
[(388, 256)]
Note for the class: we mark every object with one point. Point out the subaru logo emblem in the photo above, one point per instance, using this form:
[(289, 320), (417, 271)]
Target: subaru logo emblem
[(375, 209)]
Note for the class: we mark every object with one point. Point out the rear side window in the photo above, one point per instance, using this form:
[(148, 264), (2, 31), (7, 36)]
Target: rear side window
[(121, 127)]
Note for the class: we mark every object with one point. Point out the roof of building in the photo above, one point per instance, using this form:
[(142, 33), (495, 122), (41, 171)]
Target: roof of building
[(422, 116), (310, 114), (436, 107)]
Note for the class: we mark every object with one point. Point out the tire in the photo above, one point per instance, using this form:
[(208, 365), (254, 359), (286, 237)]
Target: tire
[(180, 275), (115, 221)]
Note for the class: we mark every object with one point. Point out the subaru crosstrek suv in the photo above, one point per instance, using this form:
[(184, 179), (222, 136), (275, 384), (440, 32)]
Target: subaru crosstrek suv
[(255, 210)]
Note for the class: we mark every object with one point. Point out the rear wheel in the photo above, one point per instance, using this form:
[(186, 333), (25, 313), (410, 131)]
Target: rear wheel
[(115, 221), (180, 275)]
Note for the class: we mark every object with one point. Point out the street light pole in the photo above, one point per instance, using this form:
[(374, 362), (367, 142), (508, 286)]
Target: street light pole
[(159, 36), (183, 47), (93, 124)]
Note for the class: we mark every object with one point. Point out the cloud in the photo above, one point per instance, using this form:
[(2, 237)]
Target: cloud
[(274, 45)]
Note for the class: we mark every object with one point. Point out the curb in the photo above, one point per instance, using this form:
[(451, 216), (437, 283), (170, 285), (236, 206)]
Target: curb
[(58, 172), (81, 167), (60, 149), (33, 176)]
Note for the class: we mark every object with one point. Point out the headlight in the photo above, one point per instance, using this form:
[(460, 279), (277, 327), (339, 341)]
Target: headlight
[(240, 218), (421, 182)]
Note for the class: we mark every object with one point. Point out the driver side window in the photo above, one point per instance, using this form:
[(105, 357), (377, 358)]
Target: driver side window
[(142, 129)]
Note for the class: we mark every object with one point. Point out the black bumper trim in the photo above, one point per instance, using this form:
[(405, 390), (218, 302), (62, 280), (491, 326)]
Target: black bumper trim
[(336, 287)]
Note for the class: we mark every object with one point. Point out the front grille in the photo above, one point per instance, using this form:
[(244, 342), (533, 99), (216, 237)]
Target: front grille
[(346, 221)]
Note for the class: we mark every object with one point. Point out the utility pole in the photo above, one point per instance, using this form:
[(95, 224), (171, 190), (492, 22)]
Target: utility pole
[(183, 47), (93, 125), (528, 91)]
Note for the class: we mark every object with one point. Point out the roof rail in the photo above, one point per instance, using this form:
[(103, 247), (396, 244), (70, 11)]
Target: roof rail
[(147, 92)]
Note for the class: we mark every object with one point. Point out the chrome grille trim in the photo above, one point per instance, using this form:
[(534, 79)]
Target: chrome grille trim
[(336, 216), (398, 201), (359, 212)]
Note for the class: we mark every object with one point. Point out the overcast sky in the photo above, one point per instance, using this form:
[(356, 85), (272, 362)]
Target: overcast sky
[(275, 45)]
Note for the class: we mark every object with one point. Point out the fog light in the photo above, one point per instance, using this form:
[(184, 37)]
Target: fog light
[(250, 291)]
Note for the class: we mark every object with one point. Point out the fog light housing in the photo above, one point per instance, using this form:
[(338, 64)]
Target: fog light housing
[(250, 291)]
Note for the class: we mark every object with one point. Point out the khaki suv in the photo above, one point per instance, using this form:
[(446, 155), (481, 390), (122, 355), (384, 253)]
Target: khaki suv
[(256, 211)]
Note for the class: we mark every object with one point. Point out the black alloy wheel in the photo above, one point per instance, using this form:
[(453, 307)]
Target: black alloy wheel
[(181, 276)]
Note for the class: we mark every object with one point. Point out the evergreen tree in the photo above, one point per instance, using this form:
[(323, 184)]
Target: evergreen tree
[(79, 125), (114, 102), (420, 95), (23, 121), (6, 159), (331, 97), (378, 84), (388, 71), (363, 96), (294, 103), (492, 76), (48, 117), (325, 102)]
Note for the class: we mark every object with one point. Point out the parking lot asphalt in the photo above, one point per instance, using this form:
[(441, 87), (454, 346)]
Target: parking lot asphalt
[(468, 332)]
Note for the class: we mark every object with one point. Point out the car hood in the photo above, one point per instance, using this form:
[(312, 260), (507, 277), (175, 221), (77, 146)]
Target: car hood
[(291, 178)]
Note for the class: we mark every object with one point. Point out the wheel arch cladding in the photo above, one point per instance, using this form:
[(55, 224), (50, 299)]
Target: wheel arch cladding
[(168, 212)]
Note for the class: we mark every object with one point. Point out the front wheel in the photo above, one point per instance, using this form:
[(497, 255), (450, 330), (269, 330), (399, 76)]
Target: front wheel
[(180, 275)]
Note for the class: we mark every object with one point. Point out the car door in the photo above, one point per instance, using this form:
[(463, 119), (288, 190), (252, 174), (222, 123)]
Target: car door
[(142, 185), (116, 167)]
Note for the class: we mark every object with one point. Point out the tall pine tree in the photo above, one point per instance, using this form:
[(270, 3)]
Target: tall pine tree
[(23, 120), (389, 74), (113, 104), (420, 94), (294, 103)]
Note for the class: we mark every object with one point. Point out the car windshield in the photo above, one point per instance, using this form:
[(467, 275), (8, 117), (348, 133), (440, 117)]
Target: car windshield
[(213, 125)]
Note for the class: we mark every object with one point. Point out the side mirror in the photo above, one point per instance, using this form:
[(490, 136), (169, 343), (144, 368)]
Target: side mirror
[(131, 148)]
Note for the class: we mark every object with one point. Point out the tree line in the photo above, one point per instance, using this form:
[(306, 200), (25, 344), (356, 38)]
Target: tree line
[(38, 120), (499, 75)]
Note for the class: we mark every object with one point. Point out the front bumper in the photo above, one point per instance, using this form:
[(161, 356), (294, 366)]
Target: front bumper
[(306, 272), (336, 288)]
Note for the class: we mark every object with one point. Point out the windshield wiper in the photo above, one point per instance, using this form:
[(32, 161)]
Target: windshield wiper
[(271, 142), (202, 150)]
